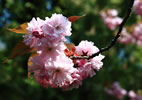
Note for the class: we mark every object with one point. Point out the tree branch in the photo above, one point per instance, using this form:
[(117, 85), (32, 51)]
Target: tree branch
[(113, 42)]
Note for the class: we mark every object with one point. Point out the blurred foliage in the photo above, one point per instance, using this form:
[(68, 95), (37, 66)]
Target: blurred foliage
[(122, 63)]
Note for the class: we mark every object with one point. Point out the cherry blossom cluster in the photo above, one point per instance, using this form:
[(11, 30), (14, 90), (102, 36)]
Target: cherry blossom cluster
[(116, 91), (138, 7), (126, 37), (119, 93), (133, 36), (111, 19), (53, 66)]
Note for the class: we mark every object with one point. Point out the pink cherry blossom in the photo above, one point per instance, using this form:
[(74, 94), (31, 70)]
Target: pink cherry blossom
[(112, 12), (86, 67), (111, 19), (109, 12), (56, 27), (116, 91), (96, 62), (77, 81), (35, 25), (133, 96), (86, 48), (35, 32), (137, 34), (126, 37), (86, 70), (138, 7), (50, 50), (42, 77), (60, 72), (112, 23), (56, 73), (30, 40), (37, 63)]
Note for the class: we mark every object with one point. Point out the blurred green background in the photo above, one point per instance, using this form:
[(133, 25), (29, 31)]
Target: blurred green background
[(122, 63)]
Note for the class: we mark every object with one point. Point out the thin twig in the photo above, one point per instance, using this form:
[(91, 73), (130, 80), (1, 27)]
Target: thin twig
[(113, 42)]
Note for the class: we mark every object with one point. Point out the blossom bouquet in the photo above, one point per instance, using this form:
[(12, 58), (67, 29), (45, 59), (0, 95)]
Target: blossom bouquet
[(52, 61)]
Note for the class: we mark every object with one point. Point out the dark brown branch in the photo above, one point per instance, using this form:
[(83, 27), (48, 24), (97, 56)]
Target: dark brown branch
[(113, 42)]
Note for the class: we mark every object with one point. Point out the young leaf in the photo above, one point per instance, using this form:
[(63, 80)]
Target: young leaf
[(21, 29), (20, 49), (70, 46), (30, 63), (74, 18)]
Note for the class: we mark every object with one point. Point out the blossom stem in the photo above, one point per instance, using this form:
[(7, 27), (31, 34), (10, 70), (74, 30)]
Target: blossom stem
[(113, 42)]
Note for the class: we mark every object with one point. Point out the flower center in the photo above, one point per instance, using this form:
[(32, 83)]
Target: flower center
[(58, 70), (84, 53), (49, 49), (37, 35), (58, 28)]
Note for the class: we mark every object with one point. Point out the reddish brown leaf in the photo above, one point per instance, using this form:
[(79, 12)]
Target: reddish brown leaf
[(70, 46), (70, 51), (30, 63), (20, 29), (74, 18), (20, 49)]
